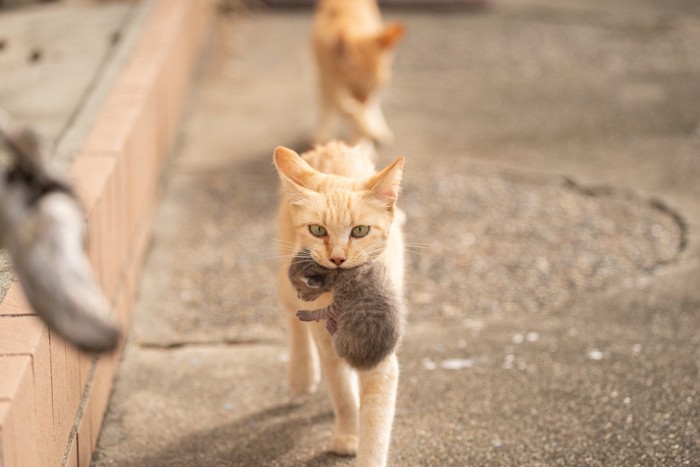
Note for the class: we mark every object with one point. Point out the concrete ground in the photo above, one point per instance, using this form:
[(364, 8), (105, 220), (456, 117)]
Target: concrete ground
[(553, 153)]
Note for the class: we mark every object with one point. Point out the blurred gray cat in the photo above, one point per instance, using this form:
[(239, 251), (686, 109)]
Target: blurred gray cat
[(365, 319)]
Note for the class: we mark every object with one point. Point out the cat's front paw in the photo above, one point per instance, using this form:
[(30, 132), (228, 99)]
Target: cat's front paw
[(344, 445)]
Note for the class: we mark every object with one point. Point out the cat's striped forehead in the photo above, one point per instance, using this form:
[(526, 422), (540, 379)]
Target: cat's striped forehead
[(342, 207), (336, 186)]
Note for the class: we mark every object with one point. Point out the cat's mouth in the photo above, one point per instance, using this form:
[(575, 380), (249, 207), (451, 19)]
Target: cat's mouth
[(324, 262), (329, 264)]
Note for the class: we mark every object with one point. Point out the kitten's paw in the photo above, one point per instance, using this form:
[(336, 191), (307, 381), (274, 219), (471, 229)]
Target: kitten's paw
[(344, 445)]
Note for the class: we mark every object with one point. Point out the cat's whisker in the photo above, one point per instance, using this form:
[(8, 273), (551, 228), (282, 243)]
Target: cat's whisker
[(290, 253), (416, 253), (407, 239), (416, 247), (284, 253), (419, 245), (372, 252), (289, 247), (376, 251), (278, 257), (286, 243)]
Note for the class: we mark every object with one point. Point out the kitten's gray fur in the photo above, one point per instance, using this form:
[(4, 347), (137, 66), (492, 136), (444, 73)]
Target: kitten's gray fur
[(366, 316)]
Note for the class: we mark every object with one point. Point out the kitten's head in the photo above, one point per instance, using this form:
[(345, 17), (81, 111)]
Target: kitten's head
[(343, 222), (309, 279), (366, 60)]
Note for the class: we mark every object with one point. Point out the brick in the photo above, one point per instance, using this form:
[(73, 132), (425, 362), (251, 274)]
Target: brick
[(141, 71), (15, 302), (102, 222), (8, 452), (62, 418), (72, 457), (121, 303), (142, 164), (74, 389), (123, 213), (112, 241), (94, 177), (100, 392), (86, 362), (11, 372), (27, 335), (84, 441), (18, 438), (90, 176), (66, 390), (115, 198), (112, 127)]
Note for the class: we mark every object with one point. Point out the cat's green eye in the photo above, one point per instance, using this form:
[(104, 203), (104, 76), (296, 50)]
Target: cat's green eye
[(360, 231), (317, 230)]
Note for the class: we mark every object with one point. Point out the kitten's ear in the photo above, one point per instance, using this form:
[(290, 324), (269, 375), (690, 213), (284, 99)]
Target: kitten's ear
[(391, 35), (386, 184), (292, 168)]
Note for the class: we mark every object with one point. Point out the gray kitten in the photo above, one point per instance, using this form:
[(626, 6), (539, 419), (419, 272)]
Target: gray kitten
[(365, 319)]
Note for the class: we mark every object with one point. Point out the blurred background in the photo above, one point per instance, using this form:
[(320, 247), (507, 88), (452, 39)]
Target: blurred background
[(551, 189)]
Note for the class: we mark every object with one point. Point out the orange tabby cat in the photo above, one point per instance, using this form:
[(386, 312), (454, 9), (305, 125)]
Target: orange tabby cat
[(353, 49), (326, 194)]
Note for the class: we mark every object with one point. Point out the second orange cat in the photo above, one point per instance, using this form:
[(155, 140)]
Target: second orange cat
[(353, 52)]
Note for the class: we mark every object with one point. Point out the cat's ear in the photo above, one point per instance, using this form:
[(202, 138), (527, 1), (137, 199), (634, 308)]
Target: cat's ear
[(391, 35), (386, 184), (293, 170)]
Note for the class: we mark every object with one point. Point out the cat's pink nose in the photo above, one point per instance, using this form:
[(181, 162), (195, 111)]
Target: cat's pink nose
[(338, 261)]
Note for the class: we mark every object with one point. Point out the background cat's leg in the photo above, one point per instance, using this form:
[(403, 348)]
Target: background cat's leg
[(327, 120), (369, 122), (356, 114), (377, 405), (303, 369), (377, 123), (342, 386)]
